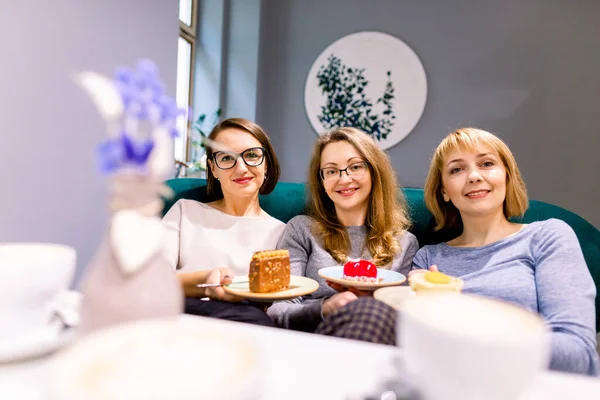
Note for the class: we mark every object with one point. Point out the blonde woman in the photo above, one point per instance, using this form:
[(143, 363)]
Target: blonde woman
[(355, 210), (474, 184)]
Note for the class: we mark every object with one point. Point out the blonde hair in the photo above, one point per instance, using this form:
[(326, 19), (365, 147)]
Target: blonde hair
[(386, 214), (445, 213)]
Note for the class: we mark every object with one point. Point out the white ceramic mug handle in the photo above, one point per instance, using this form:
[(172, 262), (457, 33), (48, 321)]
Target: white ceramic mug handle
[(67, 307)]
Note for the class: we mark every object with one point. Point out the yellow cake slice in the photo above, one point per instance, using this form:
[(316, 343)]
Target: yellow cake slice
[(269, 271)]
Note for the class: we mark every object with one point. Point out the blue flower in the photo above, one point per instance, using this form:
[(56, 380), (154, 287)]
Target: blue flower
[(109, 155), (147, 68), (169, 112), (124, 82), (136, 152), (123, 151), (146, 105), (143, 94)]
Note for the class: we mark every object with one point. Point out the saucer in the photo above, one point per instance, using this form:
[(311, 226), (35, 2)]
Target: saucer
[(35, 344), (59, 332), (166, 358)]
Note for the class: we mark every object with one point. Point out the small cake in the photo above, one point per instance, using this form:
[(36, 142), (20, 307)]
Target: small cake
[(269, 271), (435, 281), (360, 271)]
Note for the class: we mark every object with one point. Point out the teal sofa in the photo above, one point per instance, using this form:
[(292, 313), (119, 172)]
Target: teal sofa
[(288, 200)]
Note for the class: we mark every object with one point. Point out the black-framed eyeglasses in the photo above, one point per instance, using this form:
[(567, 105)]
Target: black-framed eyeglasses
[(253, 157), (355, 170)]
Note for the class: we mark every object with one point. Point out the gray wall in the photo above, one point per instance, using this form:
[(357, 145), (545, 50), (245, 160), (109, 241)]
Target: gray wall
[(226, 72), (51, 190), (242, 58), (524, 69), (208, 71)]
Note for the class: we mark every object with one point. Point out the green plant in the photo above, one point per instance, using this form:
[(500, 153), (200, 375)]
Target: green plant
[(347, 102), (200, 131)]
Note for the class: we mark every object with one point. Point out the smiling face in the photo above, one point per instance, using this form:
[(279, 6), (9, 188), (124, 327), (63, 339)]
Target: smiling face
[(474, 180), (351, 191), (241, 180)]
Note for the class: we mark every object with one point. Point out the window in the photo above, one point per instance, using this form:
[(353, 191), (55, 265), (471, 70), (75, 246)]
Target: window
[(186, 51)]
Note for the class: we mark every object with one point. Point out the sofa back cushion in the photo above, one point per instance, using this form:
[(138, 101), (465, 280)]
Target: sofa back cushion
[(289, 199)]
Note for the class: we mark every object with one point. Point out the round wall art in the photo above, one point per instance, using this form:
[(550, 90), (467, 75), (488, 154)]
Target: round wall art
[(369, 80)]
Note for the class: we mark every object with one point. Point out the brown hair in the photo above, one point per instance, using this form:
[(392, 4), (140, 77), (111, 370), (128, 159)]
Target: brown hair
[(273, 170), (386, 215), (445, 213)]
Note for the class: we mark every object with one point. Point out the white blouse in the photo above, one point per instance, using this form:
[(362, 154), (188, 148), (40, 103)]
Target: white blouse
[(200, 237)]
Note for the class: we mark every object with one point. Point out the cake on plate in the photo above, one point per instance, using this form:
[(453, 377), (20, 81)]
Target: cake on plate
[(269, 271), (435, 281), (361, 271)]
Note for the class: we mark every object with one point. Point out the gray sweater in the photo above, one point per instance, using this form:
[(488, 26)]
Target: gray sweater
[(307, 257), (540, 268)]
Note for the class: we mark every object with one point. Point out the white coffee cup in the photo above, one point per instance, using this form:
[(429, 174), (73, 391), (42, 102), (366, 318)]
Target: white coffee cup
[(394, 296), (34, 279), (470, 348)]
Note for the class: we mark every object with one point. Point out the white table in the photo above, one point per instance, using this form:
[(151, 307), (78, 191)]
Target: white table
[(304, 366)]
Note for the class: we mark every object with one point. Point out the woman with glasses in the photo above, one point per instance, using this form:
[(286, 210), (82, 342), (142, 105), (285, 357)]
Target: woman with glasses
[(355, 210), (212, 242)]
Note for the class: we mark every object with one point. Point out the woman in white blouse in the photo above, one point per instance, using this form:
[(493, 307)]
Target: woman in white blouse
[(213, 242)]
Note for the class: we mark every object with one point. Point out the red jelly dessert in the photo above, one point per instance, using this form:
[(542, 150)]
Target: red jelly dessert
[(360, 271)]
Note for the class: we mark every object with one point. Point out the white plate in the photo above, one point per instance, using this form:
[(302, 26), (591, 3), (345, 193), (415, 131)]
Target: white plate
[(35, 344), (171, 358), (49, 338), (299, 286), (390, 278)]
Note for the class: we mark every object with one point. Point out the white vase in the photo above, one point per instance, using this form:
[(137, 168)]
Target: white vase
[(128, 279)]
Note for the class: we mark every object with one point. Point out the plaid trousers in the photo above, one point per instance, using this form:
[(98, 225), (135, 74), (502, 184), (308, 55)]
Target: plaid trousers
[(364, 319)]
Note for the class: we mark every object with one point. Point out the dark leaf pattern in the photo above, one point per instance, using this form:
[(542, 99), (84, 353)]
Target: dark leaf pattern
[(347, 103)]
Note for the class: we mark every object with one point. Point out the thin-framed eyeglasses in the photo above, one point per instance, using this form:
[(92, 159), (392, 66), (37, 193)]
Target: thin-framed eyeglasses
[(253, 157), (354, 170)]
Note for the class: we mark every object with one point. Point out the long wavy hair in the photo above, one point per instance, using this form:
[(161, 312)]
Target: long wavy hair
[(387, 216)]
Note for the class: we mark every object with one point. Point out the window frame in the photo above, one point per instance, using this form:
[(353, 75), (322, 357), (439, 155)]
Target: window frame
[(188, 33), (191, 29)]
